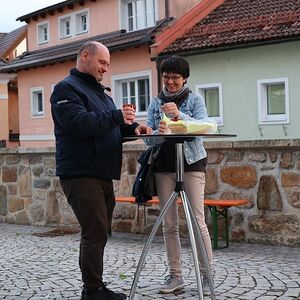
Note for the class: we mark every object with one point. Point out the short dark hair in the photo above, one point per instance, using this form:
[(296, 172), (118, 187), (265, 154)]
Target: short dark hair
[(91, 46), (177, 65)]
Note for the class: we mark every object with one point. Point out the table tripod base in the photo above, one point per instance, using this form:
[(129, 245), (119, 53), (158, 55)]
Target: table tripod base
[(193, 228), (192, 225)]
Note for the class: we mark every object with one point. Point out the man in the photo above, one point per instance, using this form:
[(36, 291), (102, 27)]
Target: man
[(89, 130)]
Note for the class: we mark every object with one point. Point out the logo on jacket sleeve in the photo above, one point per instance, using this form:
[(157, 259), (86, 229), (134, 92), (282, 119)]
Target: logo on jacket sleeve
[(62, 101)]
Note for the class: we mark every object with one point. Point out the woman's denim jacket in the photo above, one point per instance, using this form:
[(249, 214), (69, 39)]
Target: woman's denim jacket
[(192, 108)]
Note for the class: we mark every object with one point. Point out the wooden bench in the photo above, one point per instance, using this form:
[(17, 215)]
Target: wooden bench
[(217, 207)]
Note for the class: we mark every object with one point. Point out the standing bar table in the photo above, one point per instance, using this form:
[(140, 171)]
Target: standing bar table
[(191, 221)]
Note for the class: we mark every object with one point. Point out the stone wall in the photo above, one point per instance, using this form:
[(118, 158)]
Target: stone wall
[(267, 173)]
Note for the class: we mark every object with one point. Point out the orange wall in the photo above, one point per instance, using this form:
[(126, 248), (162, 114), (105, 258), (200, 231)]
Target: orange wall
[(3, 119), (3, 110), (13, 113)]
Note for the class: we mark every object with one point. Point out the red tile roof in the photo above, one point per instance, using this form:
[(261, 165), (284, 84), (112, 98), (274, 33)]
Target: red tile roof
[(237, 23)]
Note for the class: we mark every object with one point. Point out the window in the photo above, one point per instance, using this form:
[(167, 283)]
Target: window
[(138, 14), (134, 89), (273, 101), (65, 27), (212, 94), (81, 22), (37, 102), (76, 23), (43, 33), (132, 17)]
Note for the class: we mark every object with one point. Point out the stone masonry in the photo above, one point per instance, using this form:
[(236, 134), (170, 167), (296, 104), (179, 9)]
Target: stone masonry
[(266, 173)]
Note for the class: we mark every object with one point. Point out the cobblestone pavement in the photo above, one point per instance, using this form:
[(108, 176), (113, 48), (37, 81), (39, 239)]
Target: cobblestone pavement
[(34, 267)]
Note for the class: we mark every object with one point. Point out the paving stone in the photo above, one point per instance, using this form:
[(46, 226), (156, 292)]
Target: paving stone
[(39, 268)]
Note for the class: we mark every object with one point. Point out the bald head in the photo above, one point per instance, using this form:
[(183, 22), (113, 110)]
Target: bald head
[(93, 58)]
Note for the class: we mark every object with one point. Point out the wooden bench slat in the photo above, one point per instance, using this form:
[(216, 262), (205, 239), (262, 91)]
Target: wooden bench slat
[(225, 203), (210, 202)]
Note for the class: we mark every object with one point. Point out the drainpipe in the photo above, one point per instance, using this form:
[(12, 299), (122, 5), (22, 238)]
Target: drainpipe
[(167, 12), (158, 64)]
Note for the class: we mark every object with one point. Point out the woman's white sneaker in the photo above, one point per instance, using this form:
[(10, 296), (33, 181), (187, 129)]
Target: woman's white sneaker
[(172, 284)]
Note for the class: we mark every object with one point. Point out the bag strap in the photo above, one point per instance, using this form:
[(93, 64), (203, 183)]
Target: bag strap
[(154, 154)]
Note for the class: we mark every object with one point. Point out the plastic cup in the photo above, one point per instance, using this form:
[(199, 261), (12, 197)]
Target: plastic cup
[(129, 105)]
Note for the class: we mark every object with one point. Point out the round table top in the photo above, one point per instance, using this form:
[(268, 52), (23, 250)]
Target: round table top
[(180, 136)]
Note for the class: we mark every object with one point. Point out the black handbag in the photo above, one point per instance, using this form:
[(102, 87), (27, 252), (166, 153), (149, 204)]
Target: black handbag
[(144, 187)]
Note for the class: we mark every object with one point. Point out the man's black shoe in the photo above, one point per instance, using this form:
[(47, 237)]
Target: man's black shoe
[(102, 293)]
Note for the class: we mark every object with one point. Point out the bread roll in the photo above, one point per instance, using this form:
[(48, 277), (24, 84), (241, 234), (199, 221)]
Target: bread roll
[(178, 128)]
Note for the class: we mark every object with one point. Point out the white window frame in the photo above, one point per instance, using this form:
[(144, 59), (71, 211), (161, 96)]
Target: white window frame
[(61, 23), (200, 88), (75, 26), (77, 17), (117, 87), (142, 14), (42, 25), (35, 114), (263, 117)]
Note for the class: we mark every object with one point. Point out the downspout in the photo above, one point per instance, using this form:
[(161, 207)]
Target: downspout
[(157, 60), (158, 64), (167, 11)]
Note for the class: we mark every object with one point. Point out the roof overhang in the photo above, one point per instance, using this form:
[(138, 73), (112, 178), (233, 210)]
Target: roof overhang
[(51, 10)]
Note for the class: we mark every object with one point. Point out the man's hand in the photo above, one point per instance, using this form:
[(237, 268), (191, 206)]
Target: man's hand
[(143, 129), (128, 115)]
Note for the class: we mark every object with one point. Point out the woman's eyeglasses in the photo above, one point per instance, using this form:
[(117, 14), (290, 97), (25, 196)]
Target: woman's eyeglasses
[(172, 77)]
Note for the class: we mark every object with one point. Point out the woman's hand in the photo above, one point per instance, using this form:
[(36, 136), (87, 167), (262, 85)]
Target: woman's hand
[(163, 128), (171, 110)]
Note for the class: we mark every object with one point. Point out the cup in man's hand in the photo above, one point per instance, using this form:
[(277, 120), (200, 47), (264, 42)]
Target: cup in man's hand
[(128, 114), (129, 105)]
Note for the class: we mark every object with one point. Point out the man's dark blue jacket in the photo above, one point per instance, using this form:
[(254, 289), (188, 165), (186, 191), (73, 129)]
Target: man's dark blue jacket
[(88, 127)]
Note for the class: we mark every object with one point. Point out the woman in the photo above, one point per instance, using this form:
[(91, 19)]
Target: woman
[(178, 102)]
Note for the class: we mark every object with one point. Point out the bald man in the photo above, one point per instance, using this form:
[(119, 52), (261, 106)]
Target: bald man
[(89, 132)]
